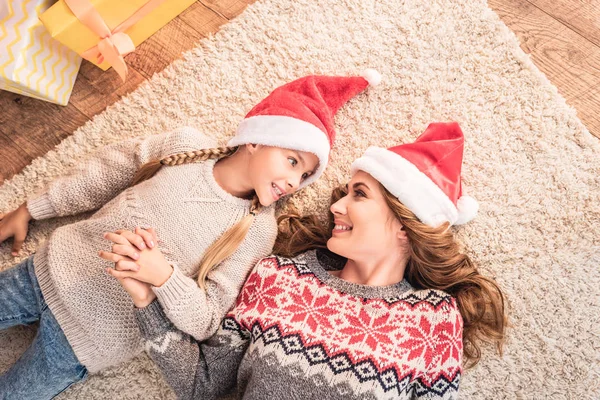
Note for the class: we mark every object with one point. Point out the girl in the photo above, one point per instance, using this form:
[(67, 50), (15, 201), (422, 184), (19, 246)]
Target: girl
[(215, 214), (387, 307)]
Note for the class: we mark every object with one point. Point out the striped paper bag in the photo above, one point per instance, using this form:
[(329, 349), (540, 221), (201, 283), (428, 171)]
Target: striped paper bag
[(32, 63)]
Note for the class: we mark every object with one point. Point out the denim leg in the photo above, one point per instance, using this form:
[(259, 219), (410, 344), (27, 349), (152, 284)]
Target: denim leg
[(18, 298), (49, 365), (47, 368)]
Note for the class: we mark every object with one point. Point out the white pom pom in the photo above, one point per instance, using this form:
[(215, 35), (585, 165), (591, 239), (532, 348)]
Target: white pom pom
[(467, 209), (372, 76)]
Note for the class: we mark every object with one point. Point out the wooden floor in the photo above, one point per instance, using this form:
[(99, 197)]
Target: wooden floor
[(562, 36)]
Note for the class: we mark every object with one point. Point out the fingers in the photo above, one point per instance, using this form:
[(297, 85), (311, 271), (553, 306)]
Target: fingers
[(141, 239), (134, 239), (118, 274), (147, 236), (115, 237), (126, 250), (154, 235), (18, 243), (107, 255), (126, 265)]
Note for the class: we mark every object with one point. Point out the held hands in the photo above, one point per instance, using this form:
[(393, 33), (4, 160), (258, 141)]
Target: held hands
[(15, 224), (138, 263)]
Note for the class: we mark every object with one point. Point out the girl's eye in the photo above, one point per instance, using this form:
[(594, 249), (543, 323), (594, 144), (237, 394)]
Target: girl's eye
[(292, 161), (305, 176), (359, 193)]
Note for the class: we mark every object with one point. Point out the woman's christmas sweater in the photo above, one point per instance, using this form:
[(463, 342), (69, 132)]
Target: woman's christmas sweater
[(298, 332)]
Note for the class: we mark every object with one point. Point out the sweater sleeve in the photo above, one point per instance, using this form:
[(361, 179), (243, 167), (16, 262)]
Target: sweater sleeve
[(108, 171), (193, 369), (442, 378), (199, 312)]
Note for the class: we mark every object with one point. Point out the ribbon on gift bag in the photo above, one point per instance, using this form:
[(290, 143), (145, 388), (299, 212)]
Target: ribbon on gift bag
[(115, 44)]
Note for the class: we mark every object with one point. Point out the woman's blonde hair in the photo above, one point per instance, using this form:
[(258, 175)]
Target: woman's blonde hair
[(435, 262), (233, 237)]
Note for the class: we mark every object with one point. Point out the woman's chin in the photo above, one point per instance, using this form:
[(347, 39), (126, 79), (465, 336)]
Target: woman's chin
[(337, 246)]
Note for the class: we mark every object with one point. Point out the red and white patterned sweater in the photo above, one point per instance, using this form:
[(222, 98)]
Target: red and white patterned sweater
[(299, 332)]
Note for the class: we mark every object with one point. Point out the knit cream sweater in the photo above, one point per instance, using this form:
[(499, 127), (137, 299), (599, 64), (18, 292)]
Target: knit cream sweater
[(189, 211)]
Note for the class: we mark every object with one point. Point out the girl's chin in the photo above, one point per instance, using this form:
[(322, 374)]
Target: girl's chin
[(265, 202)]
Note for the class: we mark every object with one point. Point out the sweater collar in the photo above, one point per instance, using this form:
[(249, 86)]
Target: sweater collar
[(319, 263)]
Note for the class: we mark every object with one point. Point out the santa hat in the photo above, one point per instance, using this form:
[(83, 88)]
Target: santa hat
[(299, 115), (425, 175)]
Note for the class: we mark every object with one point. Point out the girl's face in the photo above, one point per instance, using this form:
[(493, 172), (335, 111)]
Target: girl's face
[(275, 172), (365, 227)]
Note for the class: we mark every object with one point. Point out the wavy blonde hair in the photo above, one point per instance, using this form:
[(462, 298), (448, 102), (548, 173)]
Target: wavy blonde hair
[(227, 244), (435, 262)]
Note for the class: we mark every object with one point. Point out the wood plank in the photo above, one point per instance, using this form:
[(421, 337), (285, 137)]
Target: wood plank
[(95, 89), (581, 16), (203, 20), (165, 46), (30, 128), (587, 107), (570, 62), (532, 26), (228, 9)]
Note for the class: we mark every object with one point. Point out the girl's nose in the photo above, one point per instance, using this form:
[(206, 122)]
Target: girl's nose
[(293, 184)]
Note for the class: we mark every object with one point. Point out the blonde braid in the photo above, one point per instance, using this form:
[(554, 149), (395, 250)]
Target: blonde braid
[(255, 206), (228, 243), (150, 169), (198, 155)]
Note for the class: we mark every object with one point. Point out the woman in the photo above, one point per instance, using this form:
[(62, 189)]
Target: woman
[(394, 322)]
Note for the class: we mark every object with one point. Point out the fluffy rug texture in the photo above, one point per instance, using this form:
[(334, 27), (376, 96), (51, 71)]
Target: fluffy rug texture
[(529, 161)]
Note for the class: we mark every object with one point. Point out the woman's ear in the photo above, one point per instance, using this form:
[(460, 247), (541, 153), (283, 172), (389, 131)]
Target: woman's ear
[(402, 237)]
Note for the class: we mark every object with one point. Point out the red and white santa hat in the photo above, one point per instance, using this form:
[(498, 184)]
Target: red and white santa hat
[(425, 175), (299, 115)]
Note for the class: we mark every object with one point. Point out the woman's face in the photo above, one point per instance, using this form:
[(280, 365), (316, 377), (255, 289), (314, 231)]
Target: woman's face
[(365, 227), (276, 172)]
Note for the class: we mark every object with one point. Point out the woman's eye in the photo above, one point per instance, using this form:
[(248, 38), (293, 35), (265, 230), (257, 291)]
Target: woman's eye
[(359, 193), (305, 176), (292, 161)]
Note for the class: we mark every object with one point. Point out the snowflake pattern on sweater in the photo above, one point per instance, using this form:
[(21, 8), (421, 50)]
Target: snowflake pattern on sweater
[(298, 327)]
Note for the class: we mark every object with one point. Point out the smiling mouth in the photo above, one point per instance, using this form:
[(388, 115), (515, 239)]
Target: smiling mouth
[(278, 192), (342, 228)]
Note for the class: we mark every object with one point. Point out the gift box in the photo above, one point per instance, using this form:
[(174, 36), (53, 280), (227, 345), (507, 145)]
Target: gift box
[(103, 31), (31, 62)]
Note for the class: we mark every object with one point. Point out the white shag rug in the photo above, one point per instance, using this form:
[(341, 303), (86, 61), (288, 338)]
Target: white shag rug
[(531, 164)]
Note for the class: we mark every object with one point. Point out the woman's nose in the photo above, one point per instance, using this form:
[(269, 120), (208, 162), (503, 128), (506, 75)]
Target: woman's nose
[(338, 207)]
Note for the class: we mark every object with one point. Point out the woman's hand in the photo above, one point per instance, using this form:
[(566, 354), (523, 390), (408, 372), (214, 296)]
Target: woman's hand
[(136, 256), (140, 292), (15, 223)]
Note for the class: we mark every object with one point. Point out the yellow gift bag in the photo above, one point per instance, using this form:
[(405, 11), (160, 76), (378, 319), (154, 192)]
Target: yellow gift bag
[(31, 62), (103, 31)]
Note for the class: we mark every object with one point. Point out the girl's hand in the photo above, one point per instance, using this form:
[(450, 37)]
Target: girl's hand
[(15, 223), (147, 265)]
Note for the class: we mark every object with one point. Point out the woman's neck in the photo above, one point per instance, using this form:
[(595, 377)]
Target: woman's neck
[(377, 272), (231, 173)]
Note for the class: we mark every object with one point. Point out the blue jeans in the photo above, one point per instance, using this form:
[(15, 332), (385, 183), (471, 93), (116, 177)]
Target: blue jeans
[(49, 365)]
